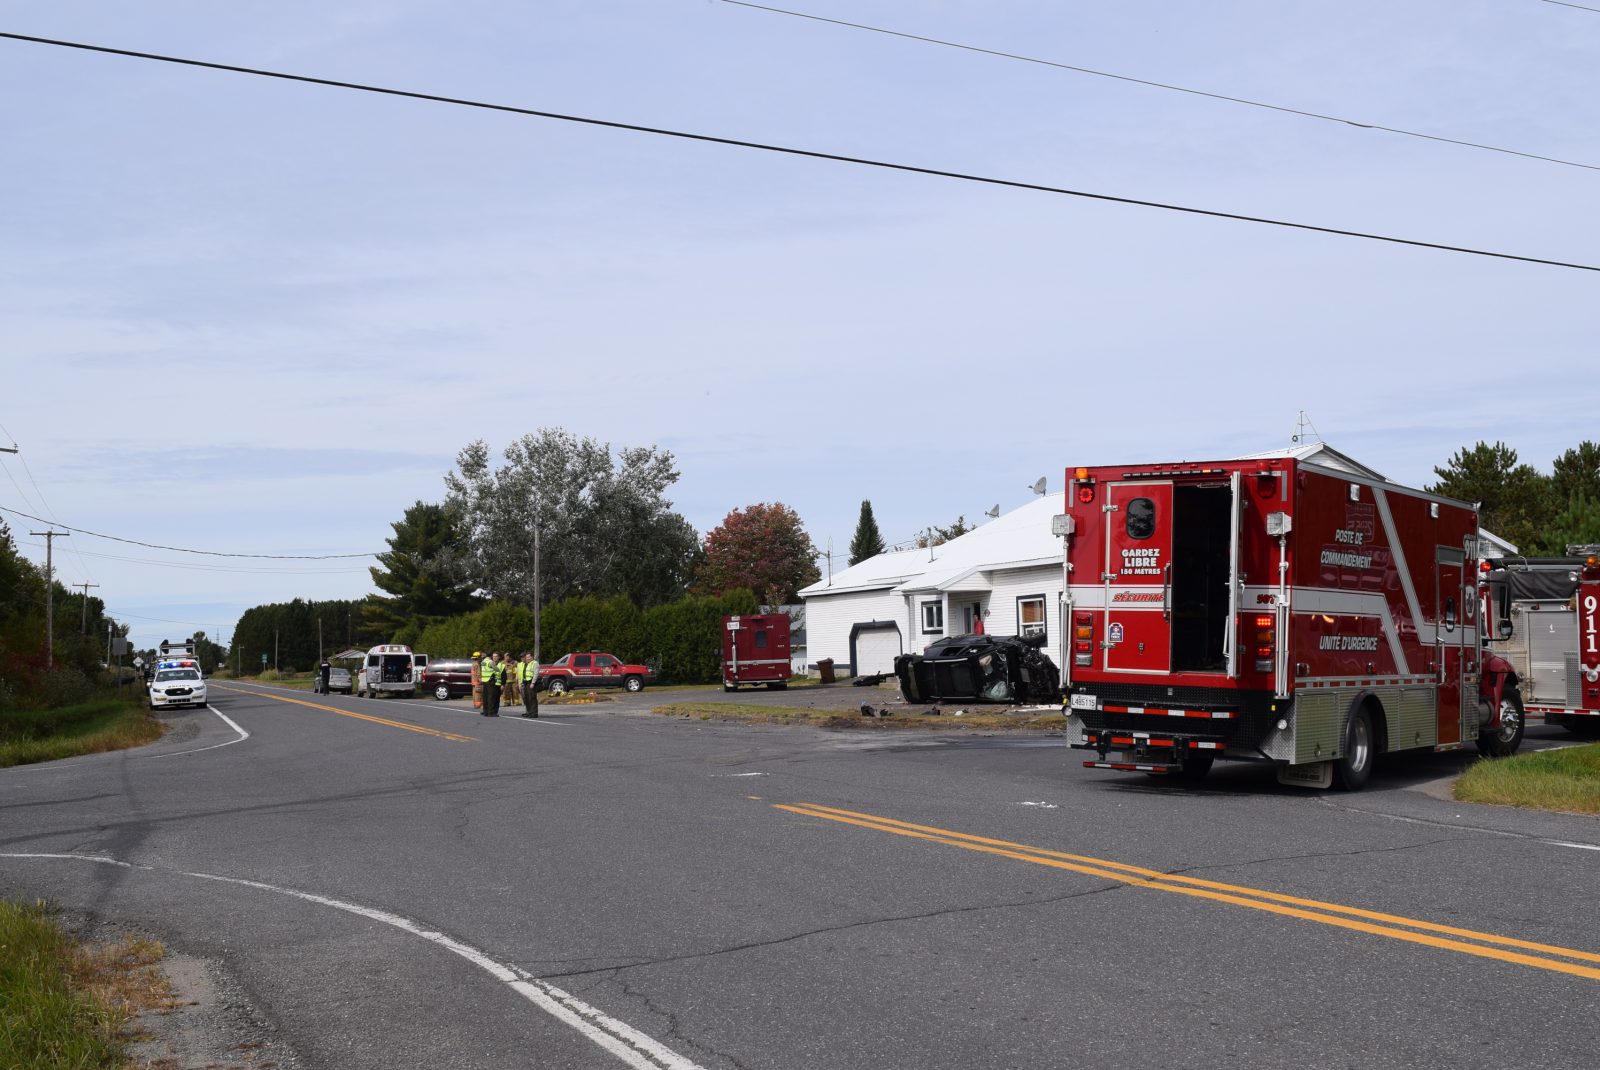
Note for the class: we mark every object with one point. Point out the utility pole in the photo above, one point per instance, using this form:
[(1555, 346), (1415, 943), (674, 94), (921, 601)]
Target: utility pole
[(274, 650), (50, 594), (84, 628), (538, 655)]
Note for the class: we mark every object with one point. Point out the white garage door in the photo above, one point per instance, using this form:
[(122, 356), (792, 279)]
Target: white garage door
[(876, 650)]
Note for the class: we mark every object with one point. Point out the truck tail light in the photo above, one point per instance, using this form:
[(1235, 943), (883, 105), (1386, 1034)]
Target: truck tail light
[(1266, 642), (1083, 639)]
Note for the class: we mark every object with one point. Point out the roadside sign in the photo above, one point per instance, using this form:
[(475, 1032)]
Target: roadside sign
[(263, 661), (138, 663)]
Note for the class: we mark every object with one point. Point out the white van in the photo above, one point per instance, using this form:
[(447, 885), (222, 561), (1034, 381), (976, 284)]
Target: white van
[(389, 670)]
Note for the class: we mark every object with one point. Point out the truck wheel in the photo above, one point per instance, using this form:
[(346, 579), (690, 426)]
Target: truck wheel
[(1355, 765), (634, 684), (557, 686), (1504, 741), (442, 693)]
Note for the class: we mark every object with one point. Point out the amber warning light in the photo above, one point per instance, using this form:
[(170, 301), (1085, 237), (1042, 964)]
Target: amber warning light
[(1085, 484)]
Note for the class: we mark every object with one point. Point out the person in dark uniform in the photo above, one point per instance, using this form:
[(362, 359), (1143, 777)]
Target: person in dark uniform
[(491, 673), (323, 673), (528, 672)]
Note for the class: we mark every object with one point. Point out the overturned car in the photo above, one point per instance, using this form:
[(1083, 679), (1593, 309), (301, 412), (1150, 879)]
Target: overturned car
[(980, 668)]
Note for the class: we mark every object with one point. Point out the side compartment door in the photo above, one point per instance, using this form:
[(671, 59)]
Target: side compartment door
[(1450, 628), (1138, 578)]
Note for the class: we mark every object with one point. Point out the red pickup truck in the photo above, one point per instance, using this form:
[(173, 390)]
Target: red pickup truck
[(593, 669)]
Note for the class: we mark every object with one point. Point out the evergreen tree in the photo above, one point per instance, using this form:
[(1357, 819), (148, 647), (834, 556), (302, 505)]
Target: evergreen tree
[(1515, 499), (423, 573), (1575, 472), (868, 540), (1577, 525)]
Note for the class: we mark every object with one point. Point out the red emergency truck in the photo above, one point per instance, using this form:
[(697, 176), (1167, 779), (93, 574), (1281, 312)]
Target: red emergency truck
[(755, 650), (1275, 610), (1543, 615)]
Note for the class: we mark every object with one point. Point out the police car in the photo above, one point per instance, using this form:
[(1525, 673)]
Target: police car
[(177, 683)]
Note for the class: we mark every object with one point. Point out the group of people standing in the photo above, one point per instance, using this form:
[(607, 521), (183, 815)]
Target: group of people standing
[(503, 677)]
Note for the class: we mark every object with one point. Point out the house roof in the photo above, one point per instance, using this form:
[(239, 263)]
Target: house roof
[(1018, 539)]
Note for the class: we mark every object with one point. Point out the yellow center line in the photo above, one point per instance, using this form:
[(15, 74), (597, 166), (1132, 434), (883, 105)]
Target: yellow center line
[(1235, 895), (351, 713)]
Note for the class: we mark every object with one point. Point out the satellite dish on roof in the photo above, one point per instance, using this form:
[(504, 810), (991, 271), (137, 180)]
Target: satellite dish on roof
[(993, 511), (1038, 485)]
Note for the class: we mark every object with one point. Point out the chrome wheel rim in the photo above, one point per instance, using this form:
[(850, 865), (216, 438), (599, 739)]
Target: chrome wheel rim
[(1510, 721), (1360, 744)]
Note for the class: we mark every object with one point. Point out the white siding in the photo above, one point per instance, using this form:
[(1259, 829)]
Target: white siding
[(829, 618), (1009, 585)]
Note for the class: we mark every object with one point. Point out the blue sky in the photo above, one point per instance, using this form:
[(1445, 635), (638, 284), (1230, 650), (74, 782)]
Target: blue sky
[(252, 316)]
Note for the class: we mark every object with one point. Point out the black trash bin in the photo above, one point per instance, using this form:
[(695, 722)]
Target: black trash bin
[(825, 668)]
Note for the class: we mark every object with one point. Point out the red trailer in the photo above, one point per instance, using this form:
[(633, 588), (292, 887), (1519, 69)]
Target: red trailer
[(755, 650), (1274, 610)]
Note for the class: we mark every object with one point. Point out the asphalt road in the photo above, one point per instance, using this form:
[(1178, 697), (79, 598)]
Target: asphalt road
[(405, 884)]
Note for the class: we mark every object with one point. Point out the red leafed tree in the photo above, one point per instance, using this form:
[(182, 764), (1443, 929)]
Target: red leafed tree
[(762, 547)]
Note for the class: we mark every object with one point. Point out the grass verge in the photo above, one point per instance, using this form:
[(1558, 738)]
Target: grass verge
[(65, 1005), (852, 718), (1567, 779), (28, 736)]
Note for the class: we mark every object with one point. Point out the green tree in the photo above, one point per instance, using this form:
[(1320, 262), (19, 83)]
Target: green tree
[(1577, 471), (606, 526), (868, 540), (937, 536), (762, 547), (424, 573), (1576, 525), (1514, 499)]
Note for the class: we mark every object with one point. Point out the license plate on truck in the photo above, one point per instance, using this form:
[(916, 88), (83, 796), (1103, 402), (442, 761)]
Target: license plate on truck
[(1084, 702)]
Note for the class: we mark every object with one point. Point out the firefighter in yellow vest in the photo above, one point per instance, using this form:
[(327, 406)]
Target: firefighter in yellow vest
[(491, 673), (528, 671)]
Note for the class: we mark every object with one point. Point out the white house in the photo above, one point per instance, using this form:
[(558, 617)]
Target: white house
[(1006, 573)]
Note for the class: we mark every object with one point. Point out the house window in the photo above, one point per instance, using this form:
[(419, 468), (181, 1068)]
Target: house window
[(932, 617), (1030, 615)]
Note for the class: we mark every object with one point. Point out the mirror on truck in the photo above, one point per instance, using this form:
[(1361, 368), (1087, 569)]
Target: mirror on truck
[(1501, 592)]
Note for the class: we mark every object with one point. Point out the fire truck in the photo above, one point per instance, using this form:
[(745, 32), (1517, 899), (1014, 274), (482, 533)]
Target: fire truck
[(1543, 615), (1276, 609)]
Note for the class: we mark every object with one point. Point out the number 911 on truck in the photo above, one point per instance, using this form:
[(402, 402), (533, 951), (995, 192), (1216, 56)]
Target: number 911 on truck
[(1274, 609)]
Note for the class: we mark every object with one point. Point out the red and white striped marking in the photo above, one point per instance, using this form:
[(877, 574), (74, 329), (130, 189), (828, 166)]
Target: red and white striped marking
[(1152, 711)]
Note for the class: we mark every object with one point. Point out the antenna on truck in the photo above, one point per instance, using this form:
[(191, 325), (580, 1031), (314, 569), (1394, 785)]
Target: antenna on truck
[(1301, 424)]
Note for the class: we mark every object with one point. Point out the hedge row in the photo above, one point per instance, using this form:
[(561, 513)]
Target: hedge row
[(681, 640)]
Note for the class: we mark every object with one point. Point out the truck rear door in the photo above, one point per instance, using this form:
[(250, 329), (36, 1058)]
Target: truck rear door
[(1172, 575), (1137, 577)]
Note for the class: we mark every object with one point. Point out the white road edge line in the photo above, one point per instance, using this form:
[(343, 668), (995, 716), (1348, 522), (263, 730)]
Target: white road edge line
[(243, 735), (617, 1037)]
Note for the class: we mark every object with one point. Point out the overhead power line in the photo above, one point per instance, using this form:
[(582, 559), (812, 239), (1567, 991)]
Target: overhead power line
[(1580, 7), (186, 550), (792, 151), (1163, 85)]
